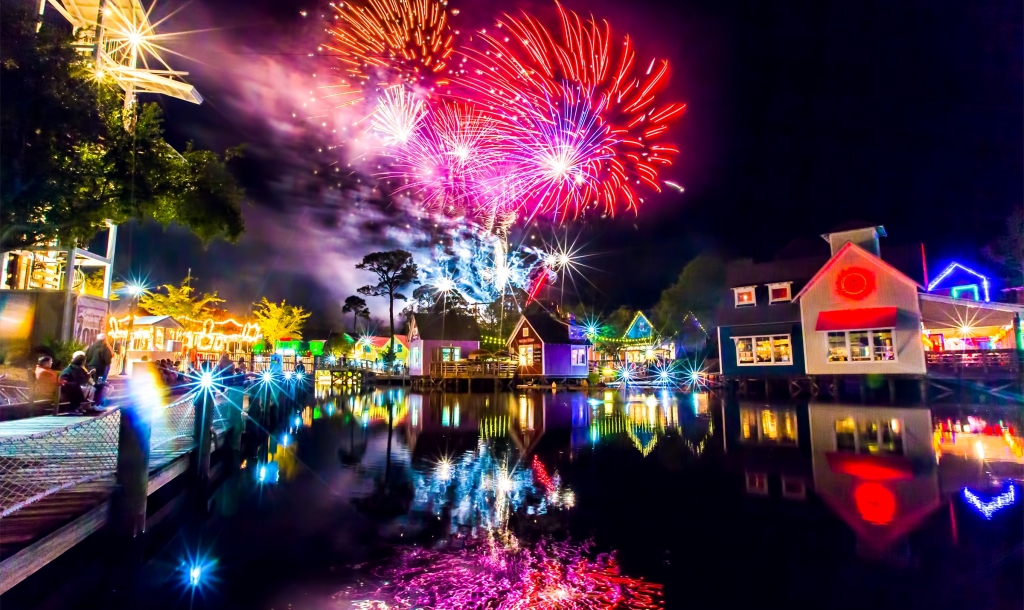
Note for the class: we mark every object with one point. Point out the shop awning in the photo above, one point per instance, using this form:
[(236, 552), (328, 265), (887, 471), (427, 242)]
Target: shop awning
[(856, 319)]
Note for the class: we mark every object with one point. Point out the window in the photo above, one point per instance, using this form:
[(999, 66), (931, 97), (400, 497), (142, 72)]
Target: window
[(780, 293), (872, 436), (965, 292), (398, 348), (525, 355), (526, 331), (451, 354), (745, 296), (861, 346), (765, 350), (415, 356), (579, 356), (793, 488), (748, 425), (745, 351)]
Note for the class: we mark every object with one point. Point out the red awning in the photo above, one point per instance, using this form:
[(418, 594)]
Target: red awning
[(856, 319)]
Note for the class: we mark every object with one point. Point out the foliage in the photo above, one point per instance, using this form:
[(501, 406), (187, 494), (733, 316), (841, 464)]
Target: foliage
[(619, 320), (339, 344), (68, 165), (1008, 249), (357, 307), (697, 291), (62, 350), (394, 269), (498, 319), (279, 321), (180, 303), (94, 285), (427, 298)]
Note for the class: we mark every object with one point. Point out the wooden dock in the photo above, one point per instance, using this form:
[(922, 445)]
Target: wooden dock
[(58, 475)]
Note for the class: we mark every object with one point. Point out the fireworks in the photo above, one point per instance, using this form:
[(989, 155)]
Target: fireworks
[(391, 42), (397, 116), (584, 118)]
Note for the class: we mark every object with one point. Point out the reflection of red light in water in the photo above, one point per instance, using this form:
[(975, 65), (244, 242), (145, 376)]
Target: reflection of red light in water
[(875, 503), (541, 475)]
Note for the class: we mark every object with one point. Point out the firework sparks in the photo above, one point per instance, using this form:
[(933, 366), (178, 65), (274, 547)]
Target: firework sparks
[(397, 116), (585, 118)]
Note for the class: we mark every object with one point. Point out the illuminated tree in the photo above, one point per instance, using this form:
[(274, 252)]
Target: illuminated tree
[(279, 321), (181, 303), (67, 163), (94, 285), (394, 269), (357, 307)]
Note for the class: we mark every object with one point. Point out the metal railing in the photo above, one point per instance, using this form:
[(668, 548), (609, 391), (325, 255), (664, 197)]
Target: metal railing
[(38, 465)]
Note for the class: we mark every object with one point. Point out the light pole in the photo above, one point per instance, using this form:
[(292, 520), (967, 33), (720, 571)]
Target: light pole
[(136, 291)]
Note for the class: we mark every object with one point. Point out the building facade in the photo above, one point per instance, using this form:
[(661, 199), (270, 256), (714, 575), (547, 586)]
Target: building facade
[(550, 348), (435, 338)]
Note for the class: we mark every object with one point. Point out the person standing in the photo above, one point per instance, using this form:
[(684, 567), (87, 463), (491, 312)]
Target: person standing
[(98, 358)]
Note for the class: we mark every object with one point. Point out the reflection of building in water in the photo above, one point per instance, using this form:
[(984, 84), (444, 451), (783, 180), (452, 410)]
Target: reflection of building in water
[(770, 445), (876, 468), (642, 417)]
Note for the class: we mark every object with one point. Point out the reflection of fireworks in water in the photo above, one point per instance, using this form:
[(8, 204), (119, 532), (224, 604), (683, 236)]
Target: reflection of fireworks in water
[(488, 574)]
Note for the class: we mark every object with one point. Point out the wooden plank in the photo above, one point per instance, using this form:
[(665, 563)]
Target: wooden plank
[(29, 560), (168, 474)]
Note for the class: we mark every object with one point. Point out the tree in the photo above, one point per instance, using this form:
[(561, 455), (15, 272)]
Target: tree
[(279, 321), (180, 303), (394, 269), (1008, 249), (357, 307), (697, 291), (68, 165), (94, 285)]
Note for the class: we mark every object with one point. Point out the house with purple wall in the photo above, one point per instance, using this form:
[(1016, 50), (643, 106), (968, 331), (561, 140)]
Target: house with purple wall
[(548, 347), (438, 337)]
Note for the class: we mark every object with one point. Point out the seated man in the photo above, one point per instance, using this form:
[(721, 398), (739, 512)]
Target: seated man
[(74, 381), (46, 379)]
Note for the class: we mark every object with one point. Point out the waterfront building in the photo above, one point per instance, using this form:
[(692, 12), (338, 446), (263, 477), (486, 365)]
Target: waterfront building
[(549, 348), (436, 338)]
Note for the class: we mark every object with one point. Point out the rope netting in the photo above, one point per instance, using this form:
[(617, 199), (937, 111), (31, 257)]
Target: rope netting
[(35, 466)]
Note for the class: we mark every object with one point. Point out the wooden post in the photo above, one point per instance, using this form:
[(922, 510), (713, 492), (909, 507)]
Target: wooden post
[(201, 434), (892, 390), (128, 508)]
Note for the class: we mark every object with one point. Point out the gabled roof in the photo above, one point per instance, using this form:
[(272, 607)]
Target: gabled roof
[(548, 329), (447, 327), (884, 266), (629, 327), (163, 321), (381, 342)]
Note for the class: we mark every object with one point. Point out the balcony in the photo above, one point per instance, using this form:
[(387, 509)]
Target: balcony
[(975, 364)]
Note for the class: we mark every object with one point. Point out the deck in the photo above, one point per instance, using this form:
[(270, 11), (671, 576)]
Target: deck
[(472, 370), (57, 475), (1002, 364)]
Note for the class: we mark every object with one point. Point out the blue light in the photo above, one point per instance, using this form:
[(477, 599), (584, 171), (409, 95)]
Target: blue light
[(987, 509), (594, 402), (300, 375), (288, 374), (194, 575), (284, 440), (332, 359), (298, 421), (268, 376), (262, 473)]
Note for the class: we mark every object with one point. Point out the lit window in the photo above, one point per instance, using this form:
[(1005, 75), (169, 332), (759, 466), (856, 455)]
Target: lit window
[(451, 354), (745, 296), (753, 351), (771, 426), (965, 292), (579, 356), (748, 425), (780, 293), (861, 346), (874, 437), (415, 356), (525, 355), (526, 331)]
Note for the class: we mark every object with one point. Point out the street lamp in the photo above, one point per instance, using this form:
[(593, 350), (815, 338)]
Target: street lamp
[(135, 290)]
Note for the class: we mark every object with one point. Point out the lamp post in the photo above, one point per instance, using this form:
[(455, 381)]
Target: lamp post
[(136, 291)]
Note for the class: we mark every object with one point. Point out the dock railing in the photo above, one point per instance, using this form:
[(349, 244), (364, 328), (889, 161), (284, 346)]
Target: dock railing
[(34, 466), (467, 369), (975, 363)]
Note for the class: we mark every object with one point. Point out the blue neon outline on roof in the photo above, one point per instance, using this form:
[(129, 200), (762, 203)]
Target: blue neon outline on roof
[(950, 268)]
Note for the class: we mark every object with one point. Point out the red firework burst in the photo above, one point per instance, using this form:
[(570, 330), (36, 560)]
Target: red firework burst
[(577, 85)]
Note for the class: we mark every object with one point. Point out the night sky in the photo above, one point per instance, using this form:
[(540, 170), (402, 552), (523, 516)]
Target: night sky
[(801, 116)]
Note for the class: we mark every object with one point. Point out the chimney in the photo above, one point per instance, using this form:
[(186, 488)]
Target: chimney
[(866, 238)]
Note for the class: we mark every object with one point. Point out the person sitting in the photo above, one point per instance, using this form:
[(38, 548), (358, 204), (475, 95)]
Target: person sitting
[(46, 379), (74, 381)]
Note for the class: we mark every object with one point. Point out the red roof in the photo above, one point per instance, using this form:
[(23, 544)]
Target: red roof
[(865, 254), (855, 319), (381, 342)]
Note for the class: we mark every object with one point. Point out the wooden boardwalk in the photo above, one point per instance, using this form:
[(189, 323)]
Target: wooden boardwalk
[(47, 524)]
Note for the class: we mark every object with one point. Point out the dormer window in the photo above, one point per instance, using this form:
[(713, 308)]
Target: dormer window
[(781, 292), (745, 296)]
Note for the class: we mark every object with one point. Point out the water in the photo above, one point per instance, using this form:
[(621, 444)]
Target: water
[(610, 499)]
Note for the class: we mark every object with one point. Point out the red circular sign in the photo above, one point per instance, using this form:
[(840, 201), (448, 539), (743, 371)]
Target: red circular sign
[(875, 503), (855, 283)]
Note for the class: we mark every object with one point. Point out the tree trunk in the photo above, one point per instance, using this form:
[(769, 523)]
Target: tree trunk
[(390, 356)]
